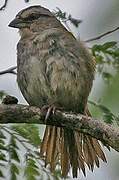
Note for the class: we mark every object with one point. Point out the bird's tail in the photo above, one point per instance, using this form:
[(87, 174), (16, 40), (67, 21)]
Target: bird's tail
[(71, 149)]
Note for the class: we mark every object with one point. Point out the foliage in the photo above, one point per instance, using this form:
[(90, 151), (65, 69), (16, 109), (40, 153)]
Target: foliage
[(64, 17), (30, 132), (31, 169), (107, 55), (108, 116), (20, 153)]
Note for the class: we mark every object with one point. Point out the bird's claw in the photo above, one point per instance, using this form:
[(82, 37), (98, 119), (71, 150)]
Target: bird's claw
[(49, 111)]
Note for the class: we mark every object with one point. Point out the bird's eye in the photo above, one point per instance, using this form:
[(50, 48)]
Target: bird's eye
[(32, 17)]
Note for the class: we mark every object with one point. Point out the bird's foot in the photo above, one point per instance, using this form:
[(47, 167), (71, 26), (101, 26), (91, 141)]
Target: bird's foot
[(49, 110)]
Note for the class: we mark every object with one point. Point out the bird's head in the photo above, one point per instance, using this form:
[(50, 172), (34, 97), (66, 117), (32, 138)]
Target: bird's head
[(28, 16)]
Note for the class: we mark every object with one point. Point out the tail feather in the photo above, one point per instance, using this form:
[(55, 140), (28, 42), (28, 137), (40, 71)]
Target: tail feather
[(54, 149), (92, 151), (97, 149), (70, 149), (78, 139), (51, 146), (44, 143), (48, 149), (88, 154), (65, 164)]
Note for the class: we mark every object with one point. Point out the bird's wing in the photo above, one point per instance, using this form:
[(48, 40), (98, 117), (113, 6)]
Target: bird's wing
[(66, 67)]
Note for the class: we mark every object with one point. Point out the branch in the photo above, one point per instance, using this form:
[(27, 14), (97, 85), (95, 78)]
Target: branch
[(102, 35), (4, 5), (29, 114), (9, 70)]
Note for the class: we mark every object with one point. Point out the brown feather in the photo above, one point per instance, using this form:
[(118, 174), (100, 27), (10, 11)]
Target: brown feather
[(50, 145), (70, 149), (73, 152), (95, 144), (44, 141), (54, 150), (93, 153), (98, 149), (64, 156), (87, 154), (78, 139)]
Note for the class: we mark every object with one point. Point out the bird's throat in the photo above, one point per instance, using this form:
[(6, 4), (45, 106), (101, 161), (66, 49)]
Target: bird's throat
[(25, 33)]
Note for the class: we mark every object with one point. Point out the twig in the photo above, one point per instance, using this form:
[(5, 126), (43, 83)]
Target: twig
[(4, 5), (102, 35), (9, 70), (107, 134)]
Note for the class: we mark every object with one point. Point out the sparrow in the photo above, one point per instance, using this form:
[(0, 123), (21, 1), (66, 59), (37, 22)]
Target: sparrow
[(53, 68)]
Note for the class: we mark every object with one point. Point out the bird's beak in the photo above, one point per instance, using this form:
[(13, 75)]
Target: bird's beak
[(17, 23)]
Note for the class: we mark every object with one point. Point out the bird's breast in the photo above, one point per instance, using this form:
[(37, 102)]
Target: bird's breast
[(52, 74)]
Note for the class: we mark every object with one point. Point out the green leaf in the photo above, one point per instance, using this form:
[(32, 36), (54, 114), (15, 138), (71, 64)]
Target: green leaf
[(14, 171), (30, 132), (2, 136), (97, 48), (58, 13), (107, 76), (14, 168), (57, 174), (74, 21), (108, 45), (99, 59), (12, 149), (108, 116), (14, 154), (2, 157), (1, 174), (107, 55), (103, 108), (3, 147), (31, 169), (64, 17), (13, 142), (2, 141)]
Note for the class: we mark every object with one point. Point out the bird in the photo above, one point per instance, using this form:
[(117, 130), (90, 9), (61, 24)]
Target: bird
[(56, 70)]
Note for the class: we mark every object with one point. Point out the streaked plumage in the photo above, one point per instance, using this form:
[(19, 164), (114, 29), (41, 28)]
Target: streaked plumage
[(53, 67)]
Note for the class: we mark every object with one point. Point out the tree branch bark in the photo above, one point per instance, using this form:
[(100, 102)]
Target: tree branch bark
[(108, 134)]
